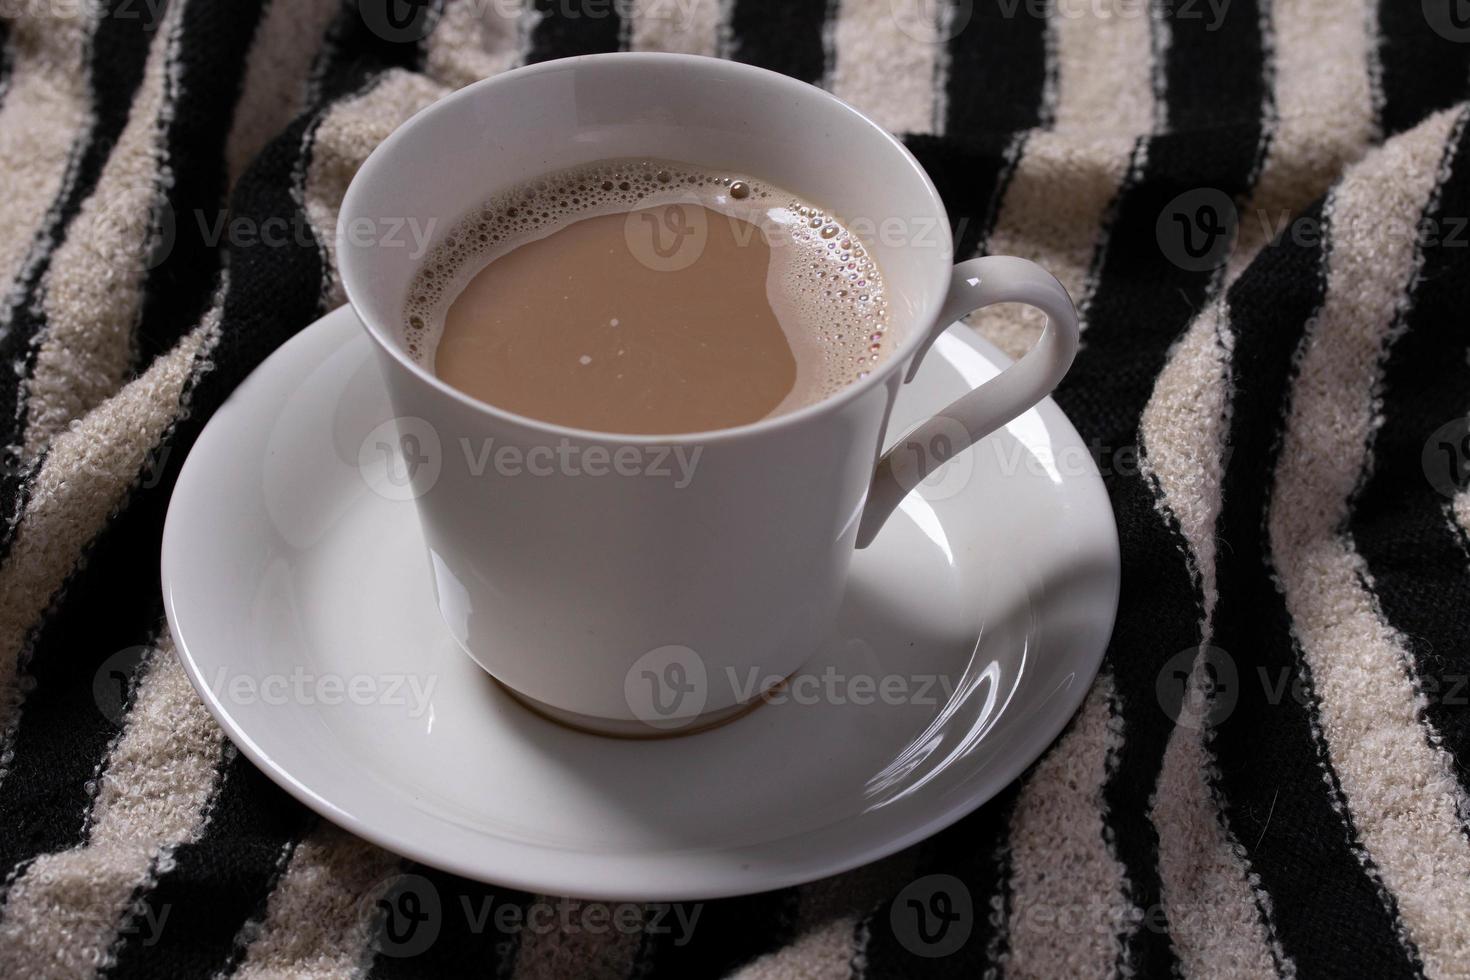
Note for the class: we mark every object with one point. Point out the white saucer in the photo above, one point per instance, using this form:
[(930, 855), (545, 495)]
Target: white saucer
[(300, 600)]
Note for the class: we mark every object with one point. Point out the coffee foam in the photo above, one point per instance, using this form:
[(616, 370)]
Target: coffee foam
[(823, 285)]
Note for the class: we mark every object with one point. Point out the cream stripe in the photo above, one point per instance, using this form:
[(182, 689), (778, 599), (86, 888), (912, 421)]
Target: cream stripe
[(883, 68), (1069, 905), (63, 914), (319, 919), (276, 73), (1212, 904), (680, 26), (85, 478), (44, 115), (551, 953), (474, 40), (1184, 427), (1460, 510), (1208, 894), (94, 287), (824, 953), (1399, 788), (1055, 209)]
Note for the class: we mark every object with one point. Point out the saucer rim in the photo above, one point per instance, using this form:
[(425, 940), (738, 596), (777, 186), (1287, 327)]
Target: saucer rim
[(1035, 737)]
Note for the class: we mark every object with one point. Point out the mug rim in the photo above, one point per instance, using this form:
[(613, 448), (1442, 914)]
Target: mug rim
[(924, 319)]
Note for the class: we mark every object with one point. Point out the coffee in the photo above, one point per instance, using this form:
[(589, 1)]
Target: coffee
[(648, 297)]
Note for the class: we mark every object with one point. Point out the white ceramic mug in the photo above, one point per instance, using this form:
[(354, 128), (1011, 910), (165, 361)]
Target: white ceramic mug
[(603, 589)]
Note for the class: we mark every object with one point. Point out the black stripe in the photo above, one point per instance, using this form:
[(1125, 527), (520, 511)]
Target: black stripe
[(1424, 55), (7, 60), (477, 932), (115, 70), (215, 40), (1328, 915), (366, 40), (905, 936), (1144, 300), (573, 27), (997, 69), (728, 934), (217, 883), (786, 37), (1415, 554), (971, 175), (995, 92)]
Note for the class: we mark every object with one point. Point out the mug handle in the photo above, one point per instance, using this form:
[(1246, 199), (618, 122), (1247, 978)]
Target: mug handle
[(975, 284)]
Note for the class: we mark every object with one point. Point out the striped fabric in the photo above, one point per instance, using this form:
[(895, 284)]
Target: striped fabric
[(1269, 776)]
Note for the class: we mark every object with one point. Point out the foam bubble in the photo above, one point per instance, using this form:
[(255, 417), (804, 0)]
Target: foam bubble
[(824, 287)]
